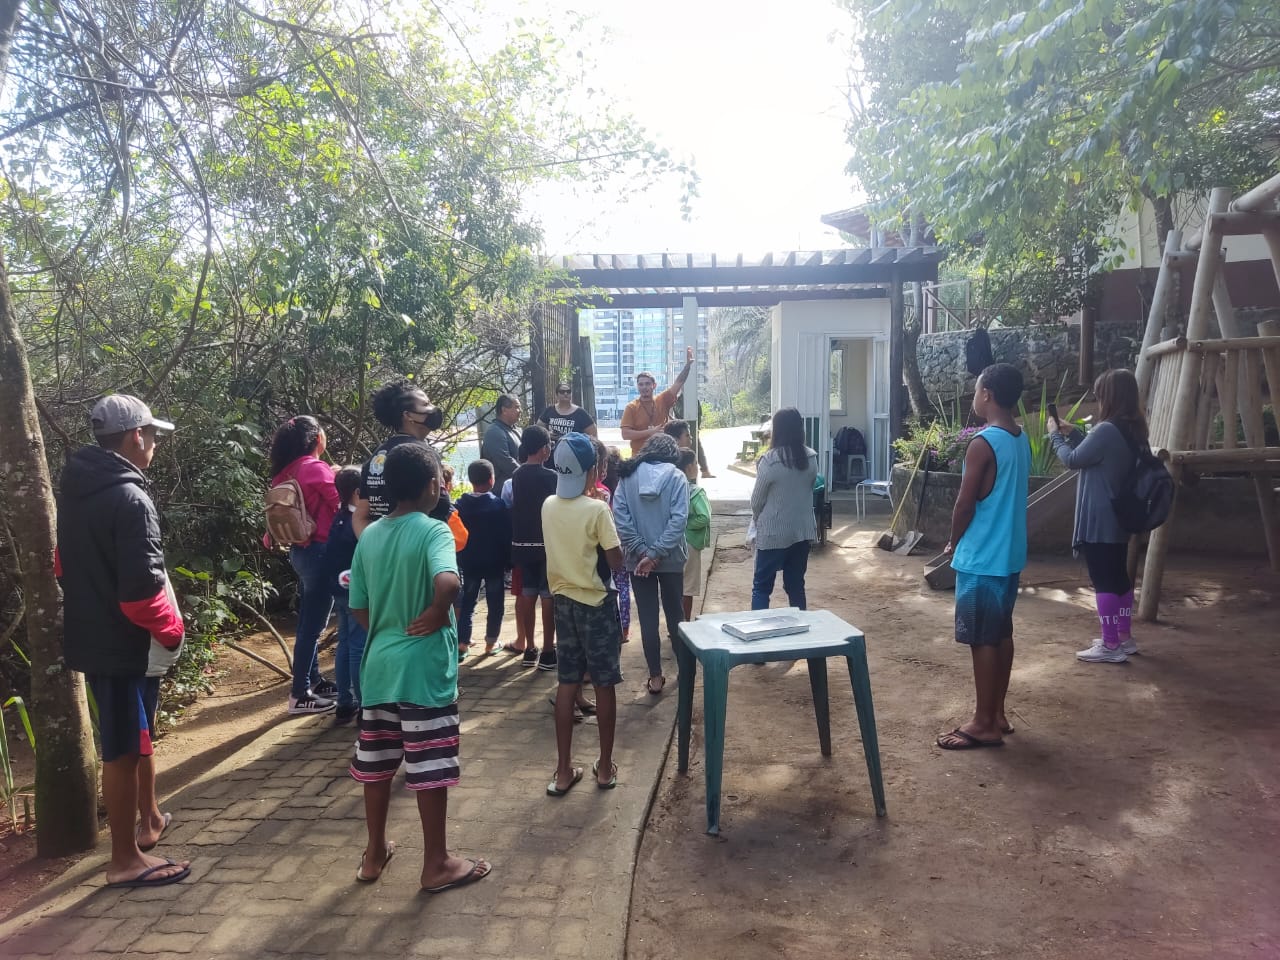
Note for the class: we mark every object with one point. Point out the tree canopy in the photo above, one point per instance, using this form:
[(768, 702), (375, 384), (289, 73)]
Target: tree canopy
[(1026, 130), (242, 211)]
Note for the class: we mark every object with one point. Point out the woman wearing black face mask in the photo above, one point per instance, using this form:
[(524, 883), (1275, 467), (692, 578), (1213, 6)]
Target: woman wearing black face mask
[(403, 408)]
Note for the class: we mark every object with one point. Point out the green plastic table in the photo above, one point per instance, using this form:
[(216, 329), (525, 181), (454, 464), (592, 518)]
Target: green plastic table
[(718, 652)]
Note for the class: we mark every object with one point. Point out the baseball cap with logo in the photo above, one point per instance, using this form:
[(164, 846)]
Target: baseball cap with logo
[(574, 457), (120, 413)]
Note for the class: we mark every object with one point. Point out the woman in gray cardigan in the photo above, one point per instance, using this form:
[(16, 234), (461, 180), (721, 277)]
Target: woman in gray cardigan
[(650, 510), (782, 508), (1105, 458)]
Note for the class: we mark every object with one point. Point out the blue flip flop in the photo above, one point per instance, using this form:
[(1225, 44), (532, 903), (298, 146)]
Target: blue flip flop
[(146, 878)]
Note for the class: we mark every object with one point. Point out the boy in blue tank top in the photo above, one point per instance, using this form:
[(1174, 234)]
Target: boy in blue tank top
[(988, 551)]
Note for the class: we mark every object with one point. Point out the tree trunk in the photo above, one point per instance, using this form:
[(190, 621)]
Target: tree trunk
[(921, 406), (66, 774), (897, 339), (1163, 207)]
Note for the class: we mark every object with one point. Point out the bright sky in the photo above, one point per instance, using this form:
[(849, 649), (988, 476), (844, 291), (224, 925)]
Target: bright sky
[(752, 91)]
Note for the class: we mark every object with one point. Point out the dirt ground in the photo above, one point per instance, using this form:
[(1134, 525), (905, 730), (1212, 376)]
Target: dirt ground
[(1133, 814)]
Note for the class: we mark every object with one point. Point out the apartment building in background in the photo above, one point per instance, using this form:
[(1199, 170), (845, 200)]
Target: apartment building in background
[(624, 342)]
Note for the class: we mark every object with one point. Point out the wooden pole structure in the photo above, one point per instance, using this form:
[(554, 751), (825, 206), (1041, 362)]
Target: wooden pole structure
[(1185, 401), (896, 335), (1165, 284), (1262, 197)]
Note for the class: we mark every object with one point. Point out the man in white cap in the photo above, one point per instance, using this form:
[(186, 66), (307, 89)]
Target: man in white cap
[(583, 552), (122, 628)]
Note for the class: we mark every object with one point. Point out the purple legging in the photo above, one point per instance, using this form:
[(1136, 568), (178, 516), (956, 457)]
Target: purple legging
[(622, 581)]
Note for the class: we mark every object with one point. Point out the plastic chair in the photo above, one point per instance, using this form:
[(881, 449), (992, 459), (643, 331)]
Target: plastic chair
[(879, 488)]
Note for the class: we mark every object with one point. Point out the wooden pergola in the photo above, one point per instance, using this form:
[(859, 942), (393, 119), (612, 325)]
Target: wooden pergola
[(672, 280)]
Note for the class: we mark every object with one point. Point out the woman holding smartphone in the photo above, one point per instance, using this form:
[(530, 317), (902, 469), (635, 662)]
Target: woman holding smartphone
[(1105, 458)]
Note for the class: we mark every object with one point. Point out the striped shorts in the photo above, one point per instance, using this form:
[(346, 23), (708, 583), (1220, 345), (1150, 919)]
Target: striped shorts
[(425, 738)]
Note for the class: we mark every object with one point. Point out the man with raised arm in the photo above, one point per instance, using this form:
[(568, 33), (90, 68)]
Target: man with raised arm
[(649, 412)]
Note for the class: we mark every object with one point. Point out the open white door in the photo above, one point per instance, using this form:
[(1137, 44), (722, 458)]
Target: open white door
[(878, 442)]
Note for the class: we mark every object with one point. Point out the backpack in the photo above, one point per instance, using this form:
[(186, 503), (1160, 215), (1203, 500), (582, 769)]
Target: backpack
[(977, 352), (288, 523), (851, 442), (1146, 498)]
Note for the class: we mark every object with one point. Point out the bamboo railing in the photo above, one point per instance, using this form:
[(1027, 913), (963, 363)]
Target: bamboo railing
[(1217, 373)]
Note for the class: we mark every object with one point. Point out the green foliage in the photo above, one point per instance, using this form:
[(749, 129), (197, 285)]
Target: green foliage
[(1044, 461), (1024, 131), (209, 599), (241, 217), (738, 389), (10, 790), (945, 441)]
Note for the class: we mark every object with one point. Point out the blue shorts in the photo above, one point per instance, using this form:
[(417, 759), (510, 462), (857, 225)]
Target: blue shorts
[(126, 714), (984, 608)]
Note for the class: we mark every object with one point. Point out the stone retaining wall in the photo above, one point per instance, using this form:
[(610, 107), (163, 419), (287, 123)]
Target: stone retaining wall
[(1215, 515), (1043, 353)]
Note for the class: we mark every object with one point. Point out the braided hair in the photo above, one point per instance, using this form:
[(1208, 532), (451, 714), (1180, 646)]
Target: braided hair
[(659, 448)]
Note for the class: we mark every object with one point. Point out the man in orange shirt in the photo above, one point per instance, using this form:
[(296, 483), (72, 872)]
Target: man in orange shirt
[(647, 414)]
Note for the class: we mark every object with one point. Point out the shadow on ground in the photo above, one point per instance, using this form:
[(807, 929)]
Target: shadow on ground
[(1133, 813)]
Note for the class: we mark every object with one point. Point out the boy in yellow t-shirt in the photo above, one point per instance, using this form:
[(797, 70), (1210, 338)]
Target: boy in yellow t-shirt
[(582, 552)]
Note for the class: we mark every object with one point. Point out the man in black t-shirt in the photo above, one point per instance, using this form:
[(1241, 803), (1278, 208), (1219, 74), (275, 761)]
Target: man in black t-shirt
[(565, 416), (403, 408)]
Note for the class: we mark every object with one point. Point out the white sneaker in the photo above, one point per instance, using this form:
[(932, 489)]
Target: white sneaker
[(1128, 646), (1100, 653), (310, 705)]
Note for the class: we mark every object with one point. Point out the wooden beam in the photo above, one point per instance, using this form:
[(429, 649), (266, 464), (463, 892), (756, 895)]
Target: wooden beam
[(1232, 343), (1261, 197), (666, 261), (754, 275), (791, 259), (1168, 346), (1165, 283), (1242, 457), (767, 259), (1244, 222), (763, 297)]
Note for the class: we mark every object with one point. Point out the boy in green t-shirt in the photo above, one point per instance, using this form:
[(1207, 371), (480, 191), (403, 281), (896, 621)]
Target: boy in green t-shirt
[(404, 580), (583, 550), (697, 531)]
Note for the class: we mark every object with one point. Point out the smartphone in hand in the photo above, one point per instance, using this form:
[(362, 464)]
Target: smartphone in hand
[(1053, 411)]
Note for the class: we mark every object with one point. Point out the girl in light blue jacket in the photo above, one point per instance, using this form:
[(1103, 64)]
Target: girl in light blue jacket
[(650, 510)]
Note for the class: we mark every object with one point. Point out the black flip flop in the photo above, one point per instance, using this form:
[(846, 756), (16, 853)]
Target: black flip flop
[(969, 741), (146, 878), (479, 870)]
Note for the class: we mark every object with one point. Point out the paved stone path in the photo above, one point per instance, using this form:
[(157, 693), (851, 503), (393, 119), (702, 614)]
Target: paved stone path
[(276, 831)]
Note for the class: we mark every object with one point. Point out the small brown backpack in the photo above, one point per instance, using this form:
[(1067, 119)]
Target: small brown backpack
[(288, 523)]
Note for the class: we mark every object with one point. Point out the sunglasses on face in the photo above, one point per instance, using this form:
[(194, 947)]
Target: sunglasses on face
[(565, 392)]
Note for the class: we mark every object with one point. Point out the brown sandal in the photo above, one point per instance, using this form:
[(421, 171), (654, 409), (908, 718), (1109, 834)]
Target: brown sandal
[(662, 682)]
